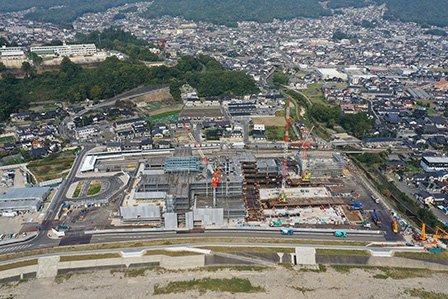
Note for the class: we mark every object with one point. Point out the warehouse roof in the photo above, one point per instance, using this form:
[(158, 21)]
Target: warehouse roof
[(436, 159), (142, 212), (24, 193)]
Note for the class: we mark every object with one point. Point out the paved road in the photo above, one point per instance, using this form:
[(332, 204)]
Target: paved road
[(77, 238), (104, 238)]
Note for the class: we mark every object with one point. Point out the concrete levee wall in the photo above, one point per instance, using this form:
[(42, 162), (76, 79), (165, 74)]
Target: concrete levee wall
[(18, 272), (397, 262), (169, 262)]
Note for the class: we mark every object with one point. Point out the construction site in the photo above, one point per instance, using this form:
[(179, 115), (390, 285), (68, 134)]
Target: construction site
[(199, 185), (187, 188)]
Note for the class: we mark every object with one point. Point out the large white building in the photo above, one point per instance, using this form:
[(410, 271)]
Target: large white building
[(23, 199), (66, 50), (11, 53), (431, 164), (86, 132)]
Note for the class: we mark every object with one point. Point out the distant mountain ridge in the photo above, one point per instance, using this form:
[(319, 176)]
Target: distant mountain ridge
[(229, 12)]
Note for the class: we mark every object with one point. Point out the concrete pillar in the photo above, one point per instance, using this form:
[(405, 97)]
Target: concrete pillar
[(47, 267), (306, 256)]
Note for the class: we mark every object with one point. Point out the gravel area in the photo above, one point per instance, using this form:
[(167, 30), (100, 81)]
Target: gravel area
[(278, 282)]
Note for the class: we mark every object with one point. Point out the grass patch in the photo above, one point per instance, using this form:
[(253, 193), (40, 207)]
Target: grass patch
[(275, 133), (233, 285), (248, 249), (423, 294), (78, 189), (131, 272), (62, 278), (164, 116), (388, 272), (320, 269), (422, 255), (18, 264), (94, 188), (341, 252), (85, 257), (236, 268), (7, 139), (303, 289), (315, 94), (171, 253), (53, 166)]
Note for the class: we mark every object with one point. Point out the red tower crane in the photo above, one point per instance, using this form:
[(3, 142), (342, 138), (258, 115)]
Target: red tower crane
[(216, 173), (306, 144), (282, 195)]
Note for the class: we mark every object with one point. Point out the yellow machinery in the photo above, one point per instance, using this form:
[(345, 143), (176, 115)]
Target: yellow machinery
[(423, 235), (440, 234)]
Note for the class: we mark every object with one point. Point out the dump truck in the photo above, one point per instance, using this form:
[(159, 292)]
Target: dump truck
[(395, 226), (287, 231), (340, 234), (375, 218)]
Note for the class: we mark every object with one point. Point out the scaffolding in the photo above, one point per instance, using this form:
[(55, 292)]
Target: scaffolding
[(181, 164)]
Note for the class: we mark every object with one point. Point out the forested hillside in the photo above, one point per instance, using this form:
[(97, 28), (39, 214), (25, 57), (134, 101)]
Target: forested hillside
[(75, 83), (228, 12)]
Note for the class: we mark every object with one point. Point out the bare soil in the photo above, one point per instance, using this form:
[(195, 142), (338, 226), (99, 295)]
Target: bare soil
[(283, 282)]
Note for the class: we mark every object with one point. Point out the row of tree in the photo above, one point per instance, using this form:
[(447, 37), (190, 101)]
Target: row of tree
[(111, 77), (358, 124), (119, 40)]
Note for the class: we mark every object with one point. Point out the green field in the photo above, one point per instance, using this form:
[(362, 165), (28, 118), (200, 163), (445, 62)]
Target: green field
[(78, 190), (84, 257), (275, 133), (168, 116), (94, 188), (52, 167), (7, 139), (315, 94), (233, 285)]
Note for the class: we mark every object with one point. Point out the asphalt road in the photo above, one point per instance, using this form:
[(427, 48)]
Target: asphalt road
[(77, 238), (105, 238)]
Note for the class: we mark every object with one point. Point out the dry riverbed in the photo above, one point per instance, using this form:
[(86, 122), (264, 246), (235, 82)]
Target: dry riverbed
[(242, 282)]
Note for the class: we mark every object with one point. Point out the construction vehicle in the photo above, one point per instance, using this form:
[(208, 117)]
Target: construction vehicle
[(275, 223), (395, 226), (287, 231), (440, 234), (356, 205), (216, 173), (340, 234), (375, 218)]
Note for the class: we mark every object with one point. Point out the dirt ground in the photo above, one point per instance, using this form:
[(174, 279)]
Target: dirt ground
[(276, 121), (277, 282)]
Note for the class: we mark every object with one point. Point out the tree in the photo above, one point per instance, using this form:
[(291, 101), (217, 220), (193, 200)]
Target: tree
[(37, 60), (280, 78), (69, 68), (2, 67), (27, 69), (96, 92)]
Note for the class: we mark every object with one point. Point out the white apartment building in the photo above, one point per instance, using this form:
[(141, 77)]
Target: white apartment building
[(66, 50)]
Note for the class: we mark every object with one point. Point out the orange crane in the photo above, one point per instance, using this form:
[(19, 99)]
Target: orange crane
[(282, 195), (306, 144), (216, 173)]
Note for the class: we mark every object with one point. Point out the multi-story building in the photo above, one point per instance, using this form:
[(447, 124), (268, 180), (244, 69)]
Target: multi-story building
[(66, 50)]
